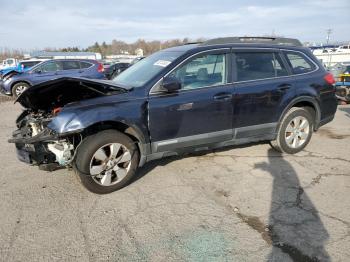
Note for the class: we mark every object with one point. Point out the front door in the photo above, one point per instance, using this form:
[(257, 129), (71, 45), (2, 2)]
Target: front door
[(71, 68), (201, 112), (47, 71)]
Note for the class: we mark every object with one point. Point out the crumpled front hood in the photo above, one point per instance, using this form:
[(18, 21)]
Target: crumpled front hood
[(62, 91)]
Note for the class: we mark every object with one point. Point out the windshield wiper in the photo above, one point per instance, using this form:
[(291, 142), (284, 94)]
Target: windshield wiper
[(126, 88)]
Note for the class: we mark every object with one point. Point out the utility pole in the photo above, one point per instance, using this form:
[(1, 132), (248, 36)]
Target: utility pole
[(329, 31)]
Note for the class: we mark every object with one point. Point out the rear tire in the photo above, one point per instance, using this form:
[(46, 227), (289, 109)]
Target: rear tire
[(106, 161), (19, 88), (294, 132)]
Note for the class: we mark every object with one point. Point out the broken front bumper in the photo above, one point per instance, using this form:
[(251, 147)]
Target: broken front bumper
[(34, 150)]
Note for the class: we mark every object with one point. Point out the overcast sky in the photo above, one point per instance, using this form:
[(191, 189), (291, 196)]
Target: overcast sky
[(38, 24)]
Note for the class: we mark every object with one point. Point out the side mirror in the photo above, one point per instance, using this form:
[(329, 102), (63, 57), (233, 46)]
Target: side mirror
[(171, 84)]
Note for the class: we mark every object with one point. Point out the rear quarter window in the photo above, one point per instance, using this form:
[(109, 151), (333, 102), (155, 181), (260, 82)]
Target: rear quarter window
[(299, 63), (85, 65), (70, 65)]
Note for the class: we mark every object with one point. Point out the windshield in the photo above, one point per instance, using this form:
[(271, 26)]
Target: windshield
[(37, 65), (143, 71), (28, 64)]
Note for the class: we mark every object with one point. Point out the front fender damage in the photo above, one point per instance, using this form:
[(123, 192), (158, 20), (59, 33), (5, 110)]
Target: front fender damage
[(48, 134), (47, 149)]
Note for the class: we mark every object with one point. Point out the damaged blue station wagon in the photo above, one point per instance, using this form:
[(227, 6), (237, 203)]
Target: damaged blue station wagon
[(201, 96)]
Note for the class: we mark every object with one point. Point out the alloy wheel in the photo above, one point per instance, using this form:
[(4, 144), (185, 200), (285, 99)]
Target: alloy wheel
[(297, 132), (20, 89), (110, 164)]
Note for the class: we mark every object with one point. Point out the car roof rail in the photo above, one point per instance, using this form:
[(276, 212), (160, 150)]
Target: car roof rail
[(253, 40), (192, 43)]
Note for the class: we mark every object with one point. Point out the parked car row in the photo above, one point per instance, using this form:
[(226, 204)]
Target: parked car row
[(15, 79), (16, 82), (221, 92)]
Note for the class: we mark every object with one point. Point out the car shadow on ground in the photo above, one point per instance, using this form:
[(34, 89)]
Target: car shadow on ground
[(295, 227), (148, 167)]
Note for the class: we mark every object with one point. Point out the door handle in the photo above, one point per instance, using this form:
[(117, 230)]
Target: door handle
[(223, 97), (284, 87)]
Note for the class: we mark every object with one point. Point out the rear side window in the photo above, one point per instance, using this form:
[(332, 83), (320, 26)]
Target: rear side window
[(85, 65), (70, 65), (299, 63), (259, 65)]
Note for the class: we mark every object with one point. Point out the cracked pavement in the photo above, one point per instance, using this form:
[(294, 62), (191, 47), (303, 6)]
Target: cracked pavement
[(245, 203)]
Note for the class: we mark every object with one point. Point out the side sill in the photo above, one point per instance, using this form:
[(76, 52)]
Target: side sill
[(201, 148)]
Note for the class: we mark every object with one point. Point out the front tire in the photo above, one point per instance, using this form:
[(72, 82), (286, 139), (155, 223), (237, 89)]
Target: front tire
[(106, 161), (294, 132), (19, 88)]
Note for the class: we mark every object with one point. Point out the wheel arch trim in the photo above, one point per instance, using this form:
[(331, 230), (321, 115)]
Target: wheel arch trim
[(126, 128), (306, 99), (20, 81)]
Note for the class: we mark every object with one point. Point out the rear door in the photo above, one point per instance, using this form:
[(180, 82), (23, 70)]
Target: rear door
[(198, 114), (71, 68), (262, 84)]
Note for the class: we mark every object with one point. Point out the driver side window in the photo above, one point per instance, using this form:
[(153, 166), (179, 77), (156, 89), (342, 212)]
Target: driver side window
[(202, 71)]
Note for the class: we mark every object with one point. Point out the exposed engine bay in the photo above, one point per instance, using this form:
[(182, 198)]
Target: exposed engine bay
[(44, 147), (60, 92), (35, 142)]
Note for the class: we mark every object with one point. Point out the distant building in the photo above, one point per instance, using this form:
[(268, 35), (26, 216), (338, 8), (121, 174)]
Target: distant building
[(65, 55), (139, 52), (121, 58)]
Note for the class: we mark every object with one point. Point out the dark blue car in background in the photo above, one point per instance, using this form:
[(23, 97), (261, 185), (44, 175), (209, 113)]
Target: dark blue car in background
[(189, 98), (14, 83)]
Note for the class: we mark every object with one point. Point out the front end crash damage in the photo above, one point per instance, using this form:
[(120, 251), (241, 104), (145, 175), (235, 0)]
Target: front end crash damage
[(36, 144), (35, 141)]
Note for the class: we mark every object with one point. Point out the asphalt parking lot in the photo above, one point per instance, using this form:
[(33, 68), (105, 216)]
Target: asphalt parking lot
[(245, 203)]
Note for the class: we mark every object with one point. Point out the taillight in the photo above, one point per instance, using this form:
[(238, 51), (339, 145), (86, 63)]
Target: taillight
[(329, 79), (100, 68)]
